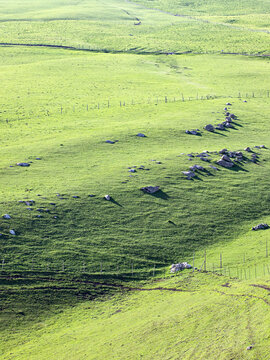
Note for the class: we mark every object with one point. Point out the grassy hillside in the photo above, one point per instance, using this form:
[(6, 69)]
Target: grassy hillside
[(184, 317), (121, 26), (76, 276)]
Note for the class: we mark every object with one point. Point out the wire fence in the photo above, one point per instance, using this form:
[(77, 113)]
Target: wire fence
[(85, 107), (243, 265)]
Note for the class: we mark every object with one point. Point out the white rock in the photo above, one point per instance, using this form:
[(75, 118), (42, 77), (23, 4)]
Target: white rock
[(6, 216), (107, 197), (12, 232)]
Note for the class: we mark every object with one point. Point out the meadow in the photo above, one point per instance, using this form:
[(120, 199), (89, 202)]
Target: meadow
[(75, 258)]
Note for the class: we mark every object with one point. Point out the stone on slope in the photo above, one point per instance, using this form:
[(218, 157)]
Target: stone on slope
[(224, 163), (23, 164), (189, 174), (209, 127), (12, 232), (260, 227), (6, 216), (150, 189), (180, 266), (107, 197), (141, 135)]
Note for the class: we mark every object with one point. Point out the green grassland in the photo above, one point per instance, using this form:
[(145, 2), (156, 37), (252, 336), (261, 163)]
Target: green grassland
[(110, 26), (71, 278), (183, 317)]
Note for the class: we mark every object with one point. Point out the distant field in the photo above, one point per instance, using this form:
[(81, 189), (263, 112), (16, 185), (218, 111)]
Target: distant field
[(118, 25)]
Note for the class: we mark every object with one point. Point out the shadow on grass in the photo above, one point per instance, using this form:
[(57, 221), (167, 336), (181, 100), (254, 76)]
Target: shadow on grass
[(237, 124), (160, 194), (115, 202), (237, 168), (215, 132)]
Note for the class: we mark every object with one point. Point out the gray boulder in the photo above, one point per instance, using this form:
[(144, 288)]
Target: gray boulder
[(150, 189), (226, 158), (179, 267), (6, 216), (226, 164), (107, 197), (12, 232), (141, 135), (223, 151), (23, 164), (220, 127), (260, 227), (189, 174), (110, 142), (209, 127), (248, 149), (197, 167)]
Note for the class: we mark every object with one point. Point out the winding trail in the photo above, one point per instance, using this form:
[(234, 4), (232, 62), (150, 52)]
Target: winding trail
[(107, 51)]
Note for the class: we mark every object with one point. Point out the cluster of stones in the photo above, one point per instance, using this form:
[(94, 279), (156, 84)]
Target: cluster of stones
[(179, 267), (261, 227), (227, 156)]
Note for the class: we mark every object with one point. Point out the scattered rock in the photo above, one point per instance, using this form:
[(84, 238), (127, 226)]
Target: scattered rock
[(91, 195), (197, 167), (107, 197), (23, 164), (132, 170), (110, 142), (189, 174), (260, 227), (141, 135), (250, 347), (12, 232), (223, 151), (213, 167), (209, 127), (248, 149), (220, 127), (228, 125), (225, 158), (75, 197), (150, 189), (224, 163), (7, 217), (262, 146), (38, 158), (180, 266), (29, 202), (229, 104), (190, 155)]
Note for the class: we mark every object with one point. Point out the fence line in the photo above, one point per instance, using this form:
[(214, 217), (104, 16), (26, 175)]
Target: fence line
[(107, 104)]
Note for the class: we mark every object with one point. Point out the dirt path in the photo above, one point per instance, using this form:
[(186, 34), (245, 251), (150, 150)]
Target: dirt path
[(106, 51)]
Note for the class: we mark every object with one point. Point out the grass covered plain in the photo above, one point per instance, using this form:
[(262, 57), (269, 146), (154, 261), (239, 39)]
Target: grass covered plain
[(72, 279), (121, 26)]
